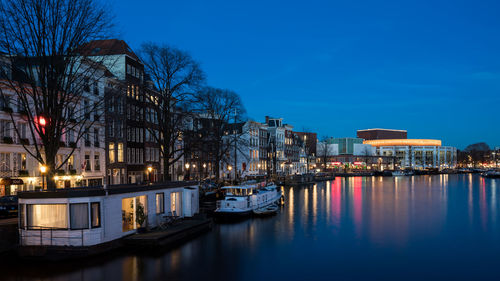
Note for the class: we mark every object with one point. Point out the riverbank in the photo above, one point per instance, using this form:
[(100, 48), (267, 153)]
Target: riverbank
[(306, 179)]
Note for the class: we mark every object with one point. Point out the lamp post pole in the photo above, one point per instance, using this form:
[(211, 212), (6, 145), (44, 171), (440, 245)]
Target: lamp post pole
[(187, 171), (43, 170)]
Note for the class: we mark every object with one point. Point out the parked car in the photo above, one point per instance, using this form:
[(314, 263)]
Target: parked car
[(8, 206)]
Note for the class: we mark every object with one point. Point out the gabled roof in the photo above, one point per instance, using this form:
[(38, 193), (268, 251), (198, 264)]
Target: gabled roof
[(108, 47)]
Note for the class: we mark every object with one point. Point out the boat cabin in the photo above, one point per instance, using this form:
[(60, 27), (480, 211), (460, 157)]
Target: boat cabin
[(240, 190), (95, 215)]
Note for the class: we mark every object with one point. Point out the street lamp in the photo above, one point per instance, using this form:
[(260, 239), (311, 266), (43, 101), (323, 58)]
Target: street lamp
[(150, 169), (187, 170), (43, 170), (194, 171)]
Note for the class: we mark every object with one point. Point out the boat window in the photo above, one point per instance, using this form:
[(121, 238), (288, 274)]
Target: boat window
[(132, 208), (47, 216), (175, 203), (79, 215), (160, 203), (95, 214)]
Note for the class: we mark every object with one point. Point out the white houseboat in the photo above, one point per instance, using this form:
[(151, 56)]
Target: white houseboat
[(89, 217), (243, 200)]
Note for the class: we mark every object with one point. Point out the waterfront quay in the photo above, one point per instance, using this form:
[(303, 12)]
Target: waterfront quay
[(430, 227)]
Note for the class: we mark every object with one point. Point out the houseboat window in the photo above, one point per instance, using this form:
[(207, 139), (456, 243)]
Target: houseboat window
[(79, 215), (47, 216), (160, 203), (132, 208), (175, 202), (95, 214)]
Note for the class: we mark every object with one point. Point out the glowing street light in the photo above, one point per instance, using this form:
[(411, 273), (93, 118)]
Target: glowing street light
[(187, 166), (43, 170)]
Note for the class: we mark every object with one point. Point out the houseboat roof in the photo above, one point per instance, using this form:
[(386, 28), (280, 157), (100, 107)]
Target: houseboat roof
[(240, 186), (101, 191)]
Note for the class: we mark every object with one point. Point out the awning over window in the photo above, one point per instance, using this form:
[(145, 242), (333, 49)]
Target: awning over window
[(9, 181)]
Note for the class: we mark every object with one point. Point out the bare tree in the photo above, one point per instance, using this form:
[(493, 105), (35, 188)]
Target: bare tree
[(43, 41), (366, 152), (324, 151), (176, 77), (220, 108)]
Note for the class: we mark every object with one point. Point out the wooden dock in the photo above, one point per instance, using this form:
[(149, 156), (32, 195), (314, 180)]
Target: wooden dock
[(170, 236)]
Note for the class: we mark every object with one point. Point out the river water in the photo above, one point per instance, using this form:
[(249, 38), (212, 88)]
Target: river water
[(360, 228)]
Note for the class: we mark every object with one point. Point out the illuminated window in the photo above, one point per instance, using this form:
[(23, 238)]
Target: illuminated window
[(111, 151), (175, 203), (95, 214), (120, 152), (160, 203), (47, 215)]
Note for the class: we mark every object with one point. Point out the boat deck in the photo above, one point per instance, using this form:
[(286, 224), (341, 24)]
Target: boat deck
[(169, 236)]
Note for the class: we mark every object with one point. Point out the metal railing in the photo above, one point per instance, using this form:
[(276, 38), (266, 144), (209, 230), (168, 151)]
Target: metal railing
[(42, 232)]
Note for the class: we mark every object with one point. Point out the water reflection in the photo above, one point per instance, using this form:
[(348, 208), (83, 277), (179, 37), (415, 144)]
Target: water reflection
[(390, 224)]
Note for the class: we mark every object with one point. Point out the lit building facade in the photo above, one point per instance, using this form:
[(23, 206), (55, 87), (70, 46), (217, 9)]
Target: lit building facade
[(80, 161), (417, 153)]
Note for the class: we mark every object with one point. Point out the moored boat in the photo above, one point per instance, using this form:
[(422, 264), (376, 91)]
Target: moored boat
[(491, 174), (241, 201), (266, 211), (398, 173)]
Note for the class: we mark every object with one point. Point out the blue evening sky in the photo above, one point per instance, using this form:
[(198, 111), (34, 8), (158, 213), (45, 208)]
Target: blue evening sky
[(431, 67)]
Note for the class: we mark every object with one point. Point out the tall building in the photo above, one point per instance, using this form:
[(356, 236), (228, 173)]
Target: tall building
[(381, 134), (345, 145), (126, 125), (276, 132)]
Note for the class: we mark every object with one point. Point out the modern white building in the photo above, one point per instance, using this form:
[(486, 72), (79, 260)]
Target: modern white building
[(417, 153)]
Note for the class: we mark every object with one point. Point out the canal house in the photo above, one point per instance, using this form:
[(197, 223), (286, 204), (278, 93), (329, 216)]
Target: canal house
[(82, 217)]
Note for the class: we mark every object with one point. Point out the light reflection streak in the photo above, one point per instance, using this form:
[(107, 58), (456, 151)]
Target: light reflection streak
[(291, 213), (315, 204), (336, 202), (358, 203), (328, 199), (470, 200), (483, 208), (306, 205), (493, 187)]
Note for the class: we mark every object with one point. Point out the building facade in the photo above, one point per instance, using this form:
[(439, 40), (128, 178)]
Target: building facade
[(381, 134), (126, 144), (80, 160), (417, 153)]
